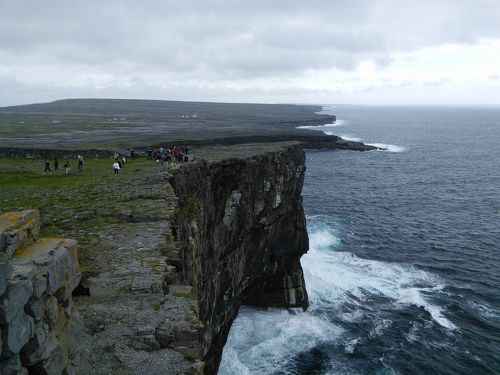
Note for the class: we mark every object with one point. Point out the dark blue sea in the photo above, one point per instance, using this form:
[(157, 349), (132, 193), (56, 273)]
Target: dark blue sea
[(403, 270)]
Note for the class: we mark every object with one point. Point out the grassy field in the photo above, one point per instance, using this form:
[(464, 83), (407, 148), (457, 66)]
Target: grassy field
[(121, 124), (77, 204)]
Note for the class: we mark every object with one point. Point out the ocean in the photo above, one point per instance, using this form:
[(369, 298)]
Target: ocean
[(403, 270)]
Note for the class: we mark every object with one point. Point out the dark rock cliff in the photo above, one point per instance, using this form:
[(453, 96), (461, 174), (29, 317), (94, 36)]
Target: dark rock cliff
[(242, 231)]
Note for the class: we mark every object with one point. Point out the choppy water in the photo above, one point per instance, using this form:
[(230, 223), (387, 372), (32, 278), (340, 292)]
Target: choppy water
[(403, 270)]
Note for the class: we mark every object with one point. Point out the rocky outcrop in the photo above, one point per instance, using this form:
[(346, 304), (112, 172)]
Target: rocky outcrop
[(242, 231), (40, 328)]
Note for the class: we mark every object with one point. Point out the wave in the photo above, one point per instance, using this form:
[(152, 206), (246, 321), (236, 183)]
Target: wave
[(324, 126), (344, 290), (335, 277), (388, 147), (259, 340), (349, 137)]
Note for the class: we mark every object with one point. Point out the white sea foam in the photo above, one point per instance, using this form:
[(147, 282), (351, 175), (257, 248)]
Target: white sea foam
[(259, 341), (350, 345), (388, 147), (324, 126), (349, 137), (263, 341), (487, 312), (336, 277)]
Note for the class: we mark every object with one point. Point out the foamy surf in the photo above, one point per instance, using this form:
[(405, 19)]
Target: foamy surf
[(337, 277), (324, 126), (340, 284), (349, 137), (388, 147), (259, 341)]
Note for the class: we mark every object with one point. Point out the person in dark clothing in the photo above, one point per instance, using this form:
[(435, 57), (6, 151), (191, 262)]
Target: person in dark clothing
[(56, 165), (80, 162), (47, 167), (150, 153), (67, 167), (132, 153)]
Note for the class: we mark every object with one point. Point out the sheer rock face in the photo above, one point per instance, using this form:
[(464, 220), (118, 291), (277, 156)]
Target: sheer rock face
[(40, 328), (242, 230)]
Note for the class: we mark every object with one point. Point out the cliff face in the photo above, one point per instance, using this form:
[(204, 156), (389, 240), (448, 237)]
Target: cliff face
[(242, 231)]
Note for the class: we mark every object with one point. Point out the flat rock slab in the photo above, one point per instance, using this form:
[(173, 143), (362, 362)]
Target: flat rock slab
[(18, 229)]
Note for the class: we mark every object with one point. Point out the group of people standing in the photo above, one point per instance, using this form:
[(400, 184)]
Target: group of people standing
[(121, 161), (66, 166), (166, 154), (159, 154)]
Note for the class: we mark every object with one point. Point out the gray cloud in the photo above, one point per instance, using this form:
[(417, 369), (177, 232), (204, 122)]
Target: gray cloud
[(213, 42)]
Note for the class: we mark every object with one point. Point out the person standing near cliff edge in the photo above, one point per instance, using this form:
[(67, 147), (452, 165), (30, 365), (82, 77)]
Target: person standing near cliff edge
[(80, 163), (67, 167), (47, 167)]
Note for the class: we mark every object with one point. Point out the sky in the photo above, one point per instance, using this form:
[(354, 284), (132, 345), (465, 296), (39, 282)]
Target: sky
[(271, 51)]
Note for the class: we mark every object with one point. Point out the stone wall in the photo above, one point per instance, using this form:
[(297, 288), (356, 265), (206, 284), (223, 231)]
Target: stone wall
[(39, 326), (242, 231)]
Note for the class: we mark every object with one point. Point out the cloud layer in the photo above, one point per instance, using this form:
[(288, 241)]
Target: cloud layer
[(226, 50)]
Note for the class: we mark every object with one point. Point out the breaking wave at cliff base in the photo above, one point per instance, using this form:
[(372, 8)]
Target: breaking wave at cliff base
[(345, 291)]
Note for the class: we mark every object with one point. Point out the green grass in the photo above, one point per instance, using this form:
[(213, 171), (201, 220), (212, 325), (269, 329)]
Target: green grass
[(189, 208), (157, 306), (80, 201), (167, 250), (191, 295)]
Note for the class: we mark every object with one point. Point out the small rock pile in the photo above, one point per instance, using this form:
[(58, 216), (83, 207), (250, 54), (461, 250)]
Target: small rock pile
[(39, 326)]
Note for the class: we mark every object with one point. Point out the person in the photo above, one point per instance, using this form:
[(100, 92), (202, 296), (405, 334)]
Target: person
[(186, 158), (132, 153), (80, 162), (124, 160), (67, 167), (47, 167), (119, 163), (56, 165), (150, 153), (116, 167)]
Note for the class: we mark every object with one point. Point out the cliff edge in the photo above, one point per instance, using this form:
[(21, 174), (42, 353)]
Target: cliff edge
[(242, 231)]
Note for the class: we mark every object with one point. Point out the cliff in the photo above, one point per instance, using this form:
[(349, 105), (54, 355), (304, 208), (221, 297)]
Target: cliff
[(40, 328), (242, 231)]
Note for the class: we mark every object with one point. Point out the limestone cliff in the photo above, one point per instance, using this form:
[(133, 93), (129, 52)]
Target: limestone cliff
[(242, 231), (40, 328)]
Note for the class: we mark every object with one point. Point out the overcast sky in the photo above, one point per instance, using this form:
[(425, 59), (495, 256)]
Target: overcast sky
[(295, 51)]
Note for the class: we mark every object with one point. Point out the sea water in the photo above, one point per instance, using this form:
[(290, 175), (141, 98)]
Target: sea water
[(403, 270)]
